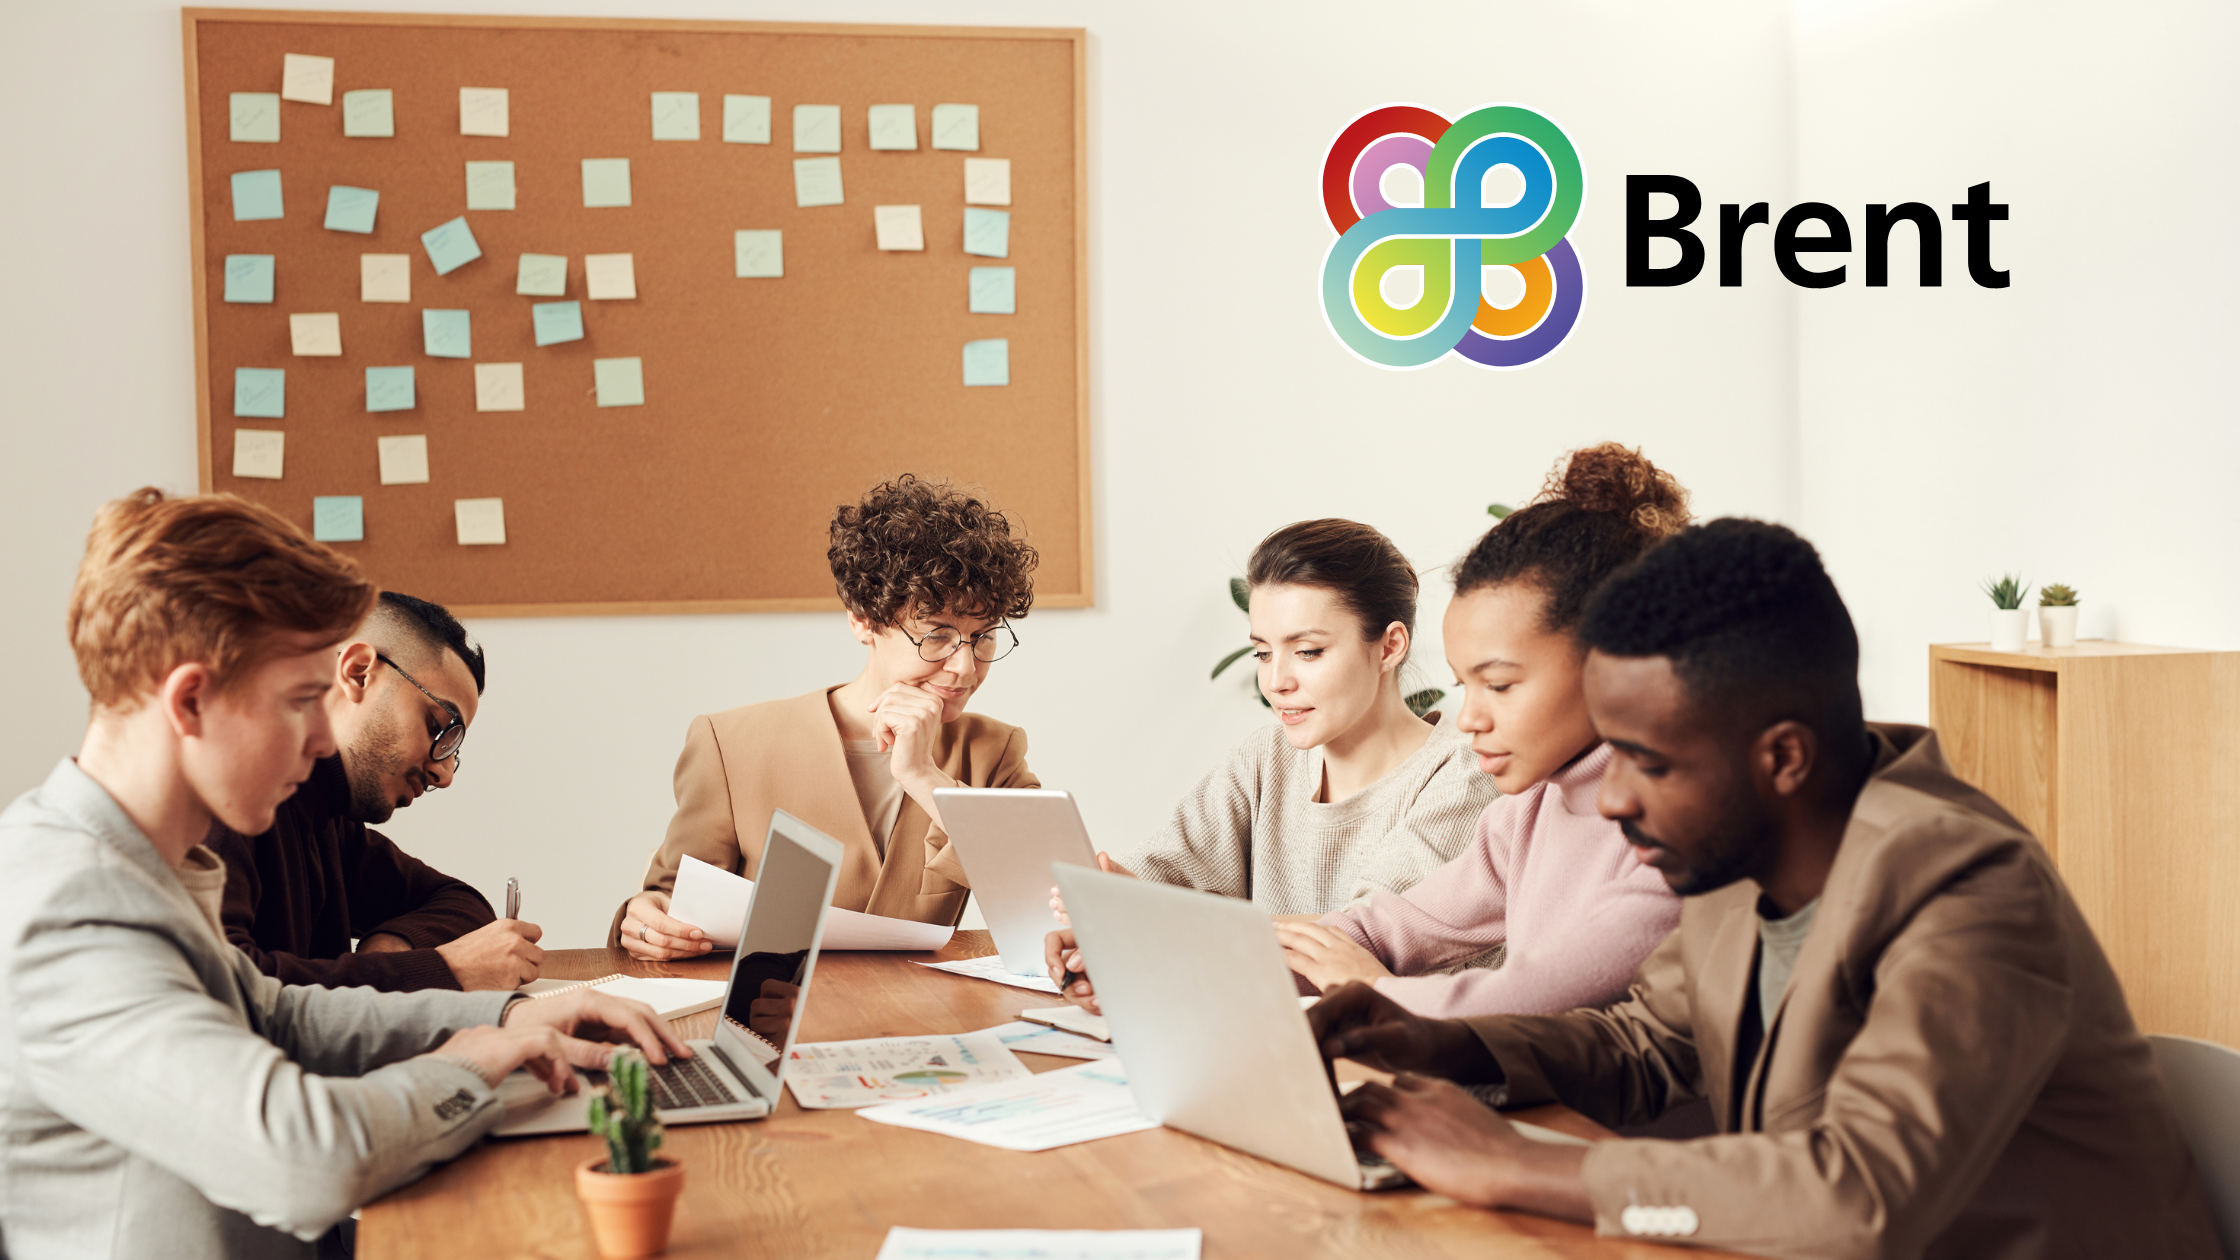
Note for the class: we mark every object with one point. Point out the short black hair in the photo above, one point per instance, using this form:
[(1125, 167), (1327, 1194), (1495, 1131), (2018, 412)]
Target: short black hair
[(1748, 617), (431, 627)]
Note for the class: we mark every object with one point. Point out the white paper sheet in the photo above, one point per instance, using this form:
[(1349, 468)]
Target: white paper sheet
[(1037, 1039), (715, 901), (842, 1074), (671, 997), (1041, 1244), (1072, 1019), (1075, 1104), (992, 968)]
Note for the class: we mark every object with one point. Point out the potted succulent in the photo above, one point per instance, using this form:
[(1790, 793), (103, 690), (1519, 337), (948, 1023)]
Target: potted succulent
[(2057, 615), (2009, 623), (631, 1195)]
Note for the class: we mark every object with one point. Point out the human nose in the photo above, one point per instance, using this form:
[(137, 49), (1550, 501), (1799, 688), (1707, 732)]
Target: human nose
[(441, 773), (1476, 715), (962, 662), (1279, 676), (319, 737), (1617, 799)]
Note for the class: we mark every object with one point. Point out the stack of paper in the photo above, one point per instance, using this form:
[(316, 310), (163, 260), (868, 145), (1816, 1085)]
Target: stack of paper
[(669, 996), (992, 968), (715, 901), (835, 1074), (1075, 1104), (1041, 1244)]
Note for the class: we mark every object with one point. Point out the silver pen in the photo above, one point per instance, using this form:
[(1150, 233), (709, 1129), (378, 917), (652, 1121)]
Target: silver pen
[(513, 897)]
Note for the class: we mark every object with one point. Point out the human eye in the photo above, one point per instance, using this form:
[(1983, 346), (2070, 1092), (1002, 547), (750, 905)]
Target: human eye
[(1310, 653), (1261, 655), (940, 638)]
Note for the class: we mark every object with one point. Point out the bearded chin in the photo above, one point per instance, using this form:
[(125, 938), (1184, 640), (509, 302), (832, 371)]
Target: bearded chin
[(368, 771), (1734, 849)]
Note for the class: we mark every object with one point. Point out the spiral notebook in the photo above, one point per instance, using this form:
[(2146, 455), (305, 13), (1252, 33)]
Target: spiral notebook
[(670, 996)]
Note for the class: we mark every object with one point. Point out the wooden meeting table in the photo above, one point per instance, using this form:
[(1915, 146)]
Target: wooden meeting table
[(826, 1183)]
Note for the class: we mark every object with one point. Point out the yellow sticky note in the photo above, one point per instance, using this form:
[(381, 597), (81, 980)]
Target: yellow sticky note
[(481, 522), (900, 227), (384, 277), (609, 276), (497, 387), (256, 453), (307, 79), (319, 335), (483, 112), (404, 460), (987, 181)]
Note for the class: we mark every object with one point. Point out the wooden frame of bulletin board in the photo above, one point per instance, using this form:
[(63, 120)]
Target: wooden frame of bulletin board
[(762, 401)]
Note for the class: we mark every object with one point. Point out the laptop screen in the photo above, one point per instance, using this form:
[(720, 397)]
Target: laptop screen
[(777, 943)]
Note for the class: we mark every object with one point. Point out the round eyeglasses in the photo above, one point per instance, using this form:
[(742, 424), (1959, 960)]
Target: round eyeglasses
[(444, 746), (988, 646)]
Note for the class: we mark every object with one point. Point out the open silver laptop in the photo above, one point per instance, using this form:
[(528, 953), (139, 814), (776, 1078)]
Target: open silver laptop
[(736, 1075), (1007, 839)]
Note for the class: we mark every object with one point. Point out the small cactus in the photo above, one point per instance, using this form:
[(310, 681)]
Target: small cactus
[(2057, 595), (2006, 593), (622, 1113)]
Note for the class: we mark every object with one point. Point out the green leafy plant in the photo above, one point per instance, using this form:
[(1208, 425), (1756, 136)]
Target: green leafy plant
[(1240, 594), (1498, 511), (2006, 593), (2057, 595), (622, 1113)]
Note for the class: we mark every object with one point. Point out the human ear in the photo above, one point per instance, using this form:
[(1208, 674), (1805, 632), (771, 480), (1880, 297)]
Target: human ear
[(1784, 756), (353, 671), (1394, 648), (862, 629), (183, 696)]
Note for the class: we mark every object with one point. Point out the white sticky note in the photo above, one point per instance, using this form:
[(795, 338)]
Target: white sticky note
[(758, 254), (609, 276), (404, 460), (483, 112), (676, 115), (256, 453), (606, 182), (894, 126), (497, 387), (619, 382), (489, 185), (254, 117), (482, 522), (956, 127), (384, 277), (816, 129), (315, 334), (816, 182), (543, 275), (307, 79), (369, 112), (746, 120), (899, 227), (987, 181)]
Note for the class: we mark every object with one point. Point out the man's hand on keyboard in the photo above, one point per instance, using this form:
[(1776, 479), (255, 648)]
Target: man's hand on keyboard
[(588, 1018)]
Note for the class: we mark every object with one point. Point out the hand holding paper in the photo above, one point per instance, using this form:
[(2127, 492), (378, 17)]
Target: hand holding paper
[(715, 901)]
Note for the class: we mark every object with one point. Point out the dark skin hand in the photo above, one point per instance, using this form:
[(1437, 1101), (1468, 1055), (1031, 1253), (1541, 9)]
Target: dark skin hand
[(1354, 1021), (1451, 1144)]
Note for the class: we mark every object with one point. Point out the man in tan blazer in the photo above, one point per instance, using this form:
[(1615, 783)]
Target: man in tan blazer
[(1909, 1038)]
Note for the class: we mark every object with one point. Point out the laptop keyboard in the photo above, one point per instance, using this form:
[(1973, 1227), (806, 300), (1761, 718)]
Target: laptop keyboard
[(682, 1083)]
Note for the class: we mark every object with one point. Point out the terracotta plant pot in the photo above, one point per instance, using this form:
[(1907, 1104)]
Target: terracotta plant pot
[(630, 1213), (2057, 625)]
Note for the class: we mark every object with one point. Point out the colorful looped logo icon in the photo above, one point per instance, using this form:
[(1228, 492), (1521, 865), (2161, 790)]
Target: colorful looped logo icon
[(1452, 236)]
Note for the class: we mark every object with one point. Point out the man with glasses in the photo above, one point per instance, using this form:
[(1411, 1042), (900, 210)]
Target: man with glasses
[(406, 686)]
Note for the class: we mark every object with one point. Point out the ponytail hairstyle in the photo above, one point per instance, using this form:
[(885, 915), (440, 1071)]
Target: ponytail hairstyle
[(1357, 564), (1601, 508)]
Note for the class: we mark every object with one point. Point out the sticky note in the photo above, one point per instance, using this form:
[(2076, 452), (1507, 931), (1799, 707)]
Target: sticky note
[(956, 127), (451, 245), (621, 382), (384, 277), (248, 277), (894, 126), (404, 460), (482, 112), (816, 129), (987, 362), (676, 115), (497, 387), (307, 79), (557, 322), (351, 209), (256, 195), (260, 392), (987, 233), (899, 227), (338, 518), (758, 254), (816, 182), (987, 181), (315, 335), (994, 291), (447, 334), (489, 185), (480, 521), (389, 389), (746, 120), (255, 117), (257, 453), (542, 275), (606, 182), (609, 276), (369, 112)]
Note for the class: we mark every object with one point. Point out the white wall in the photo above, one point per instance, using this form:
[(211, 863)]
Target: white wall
[(1222, 406)]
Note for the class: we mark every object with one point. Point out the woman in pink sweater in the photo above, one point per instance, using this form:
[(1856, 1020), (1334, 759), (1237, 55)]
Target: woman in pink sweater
[(1547, 876)]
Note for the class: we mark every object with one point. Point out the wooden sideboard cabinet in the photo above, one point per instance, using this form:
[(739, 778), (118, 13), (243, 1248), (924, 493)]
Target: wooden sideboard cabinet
[(2125, 761)]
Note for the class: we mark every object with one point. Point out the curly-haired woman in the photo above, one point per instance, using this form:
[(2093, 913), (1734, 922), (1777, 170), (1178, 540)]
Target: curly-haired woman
[(930, 578)]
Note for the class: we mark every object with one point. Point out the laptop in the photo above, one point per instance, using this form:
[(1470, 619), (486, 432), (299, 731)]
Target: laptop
[(1007, 839), (734, 1075)]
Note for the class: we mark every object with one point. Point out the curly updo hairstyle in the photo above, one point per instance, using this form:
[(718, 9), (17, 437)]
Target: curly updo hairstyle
[(912, 546), (1602, 507)]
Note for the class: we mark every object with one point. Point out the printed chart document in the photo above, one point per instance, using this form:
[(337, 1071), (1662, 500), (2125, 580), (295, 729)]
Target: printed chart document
[(715, 901), (1041, 1244), (1075, 1104), (836, 1074), (1020, 1035), (989, 968)]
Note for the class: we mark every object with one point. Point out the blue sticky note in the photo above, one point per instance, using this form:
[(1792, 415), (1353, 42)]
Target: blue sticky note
[(606, 181), (987, 232), (256, 195), (994, 291), (351, 209), (987, 362), (260, 392), (447, 334), (389, 389), (621, 382), (338, 518), (248, 277), (450, 246), (558, 322)]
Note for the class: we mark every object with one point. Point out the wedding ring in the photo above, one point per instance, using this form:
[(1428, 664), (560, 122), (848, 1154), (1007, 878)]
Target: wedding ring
[(641, 932)]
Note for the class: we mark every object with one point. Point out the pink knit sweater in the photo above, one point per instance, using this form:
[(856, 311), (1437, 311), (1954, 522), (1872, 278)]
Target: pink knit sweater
[(1549, 875)]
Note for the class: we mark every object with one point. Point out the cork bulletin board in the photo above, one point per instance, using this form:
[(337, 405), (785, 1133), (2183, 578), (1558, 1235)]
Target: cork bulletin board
[(762, 401)]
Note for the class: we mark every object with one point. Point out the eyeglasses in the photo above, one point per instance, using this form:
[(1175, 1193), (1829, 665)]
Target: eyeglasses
[(445, 746), (988, 646)]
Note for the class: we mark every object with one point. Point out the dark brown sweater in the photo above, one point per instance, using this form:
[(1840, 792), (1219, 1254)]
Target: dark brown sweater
[(297, 896)]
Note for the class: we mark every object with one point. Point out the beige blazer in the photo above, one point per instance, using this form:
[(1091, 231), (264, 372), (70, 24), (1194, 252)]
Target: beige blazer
[(739, 765), (1951, 1071)]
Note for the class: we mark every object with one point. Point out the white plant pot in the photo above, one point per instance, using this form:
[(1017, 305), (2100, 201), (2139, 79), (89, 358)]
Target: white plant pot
[(2009, 628), (2057, 627)]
